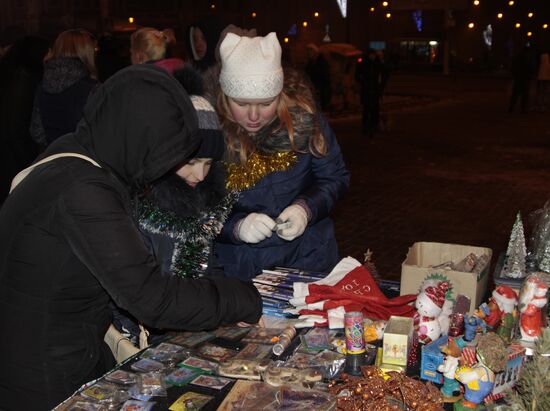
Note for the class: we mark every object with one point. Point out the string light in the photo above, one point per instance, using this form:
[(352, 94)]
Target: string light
[(511, 3), (212, 6), (254, 14), (499, 15), (286, 40), (476, 2), (130, 20), (518, 25), (471, 25), (372, 9), (388, 15), (304, 24), (385, 3), (530, 15), (545, 26), (316, 14), (529, 34)]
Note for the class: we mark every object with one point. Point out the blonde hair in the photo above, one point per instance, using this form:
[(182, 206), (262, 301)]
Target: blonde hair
[(296, 93), (151, 42), (76, 43)]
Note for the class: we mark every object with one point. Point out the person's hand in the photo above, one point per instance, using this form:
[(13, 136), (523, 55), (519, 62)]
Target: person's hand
[(255, 227), (295, 217)]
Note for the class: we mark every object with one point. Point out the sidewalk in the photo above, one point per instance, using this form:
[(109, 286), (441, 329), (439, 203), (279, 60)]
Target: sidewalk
[(456, 170)]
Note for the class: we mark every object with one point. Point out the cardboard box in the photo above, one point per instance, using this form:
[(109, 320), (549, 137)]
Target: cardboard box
[(397, 340), (423, 256)]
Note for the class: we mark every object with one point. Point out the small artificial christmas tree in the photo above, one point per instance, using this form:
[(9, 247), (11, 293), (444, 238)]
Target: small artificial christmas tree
[(514, 261)]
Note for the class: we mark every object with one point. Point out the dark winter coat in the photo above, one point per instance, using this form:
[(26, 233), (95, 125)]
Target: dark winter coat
[(20, 73), (69, 244), (317, 181), (60, 99), (179, 224)]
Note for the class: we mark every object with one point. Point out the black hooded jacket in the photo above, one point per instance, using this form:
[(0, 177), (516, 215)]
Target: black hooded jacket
[(69, 244)]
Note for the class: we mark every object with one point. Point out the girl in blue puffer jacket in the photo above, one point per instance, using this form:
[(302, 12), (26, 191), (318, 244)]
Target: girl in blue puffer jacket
[(284, 160)]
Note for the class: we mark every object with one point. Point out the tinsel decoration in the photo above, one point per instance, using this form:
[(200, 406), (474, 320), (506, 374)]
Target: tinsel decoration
[(242, 177), (193, 235), (532, 391), (514, 263)]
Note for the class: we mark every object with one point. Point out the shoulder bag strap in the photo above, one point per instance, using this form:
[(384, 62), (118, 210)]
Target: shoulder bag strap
[(24, 173)]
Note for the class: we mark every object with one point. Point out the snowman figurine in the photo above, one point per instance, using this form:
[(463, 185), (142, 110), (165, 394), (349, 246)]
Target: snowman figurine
[(429, 304)]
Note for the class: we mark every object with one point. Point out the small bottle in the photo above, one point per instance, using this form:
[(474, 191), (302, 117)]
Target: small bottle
[(355, 342)]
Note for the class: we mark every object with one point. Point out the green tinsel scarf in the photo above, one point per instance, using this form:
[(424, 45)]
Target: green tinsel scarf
[(193, 235)]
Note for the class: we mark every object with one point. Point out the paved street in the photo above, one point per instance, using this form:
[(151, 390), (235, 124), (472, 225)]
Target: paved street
[(453, 167)]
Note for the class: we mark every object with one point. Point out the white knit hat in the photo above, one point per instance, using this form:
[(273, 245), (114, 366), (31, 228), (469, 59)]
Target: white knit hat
[(251, 67)]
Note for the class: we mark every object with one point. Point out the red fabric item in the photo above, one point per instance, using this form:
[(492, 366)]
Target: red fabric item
[(358, 289)]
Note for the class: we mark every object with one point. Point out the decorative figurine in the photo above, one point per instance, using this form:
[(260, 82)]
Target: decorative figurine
[(451, 387), (429, 304), (531, 301), (479, 379), (507, 300), (472, 325), (490, 313), (478, 383)]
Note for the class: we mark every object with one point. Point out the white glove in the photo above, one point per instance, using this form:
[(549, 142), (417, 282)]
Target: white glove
[(296, 218), (255, 227)]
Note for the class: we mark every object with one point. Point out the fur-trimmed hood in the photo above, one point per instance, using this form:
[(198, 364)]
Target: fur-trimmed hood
[(173, 194), (61, 73), (273, 139)]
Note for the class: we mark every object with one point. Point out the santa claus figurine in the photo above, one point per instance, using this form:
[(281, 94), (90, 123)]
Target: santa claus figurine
[(532, 300), (429, 304), (507, 300)]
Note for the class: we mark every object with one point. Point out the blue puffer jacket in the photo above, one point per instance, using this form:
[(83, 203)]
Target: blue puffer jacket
[(320, 182)]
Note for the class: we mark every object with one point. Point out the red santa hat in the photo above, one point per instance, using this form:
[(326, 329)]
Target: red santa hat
[(505, 297), (437, 293)]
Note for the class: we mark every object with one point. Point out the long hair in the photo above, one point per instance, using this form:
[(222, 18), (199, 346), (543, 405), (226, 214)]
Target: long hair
[(76, 43), (151, 42), (296, 94)]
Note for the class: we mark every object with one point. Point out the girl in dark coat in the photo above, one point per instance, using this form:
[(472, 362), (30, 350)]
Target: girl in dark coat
[(181, 213), (284, 160), (70, 244), (69, 77)]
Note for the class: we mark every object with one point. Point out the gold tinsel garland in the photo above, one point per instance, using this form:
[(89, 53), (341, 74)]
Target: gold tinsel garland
[(241, 177)]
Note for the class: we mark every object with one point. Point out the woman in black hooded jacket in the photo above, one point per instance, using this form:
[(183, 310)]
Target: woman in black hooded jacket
[(70, 244)]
